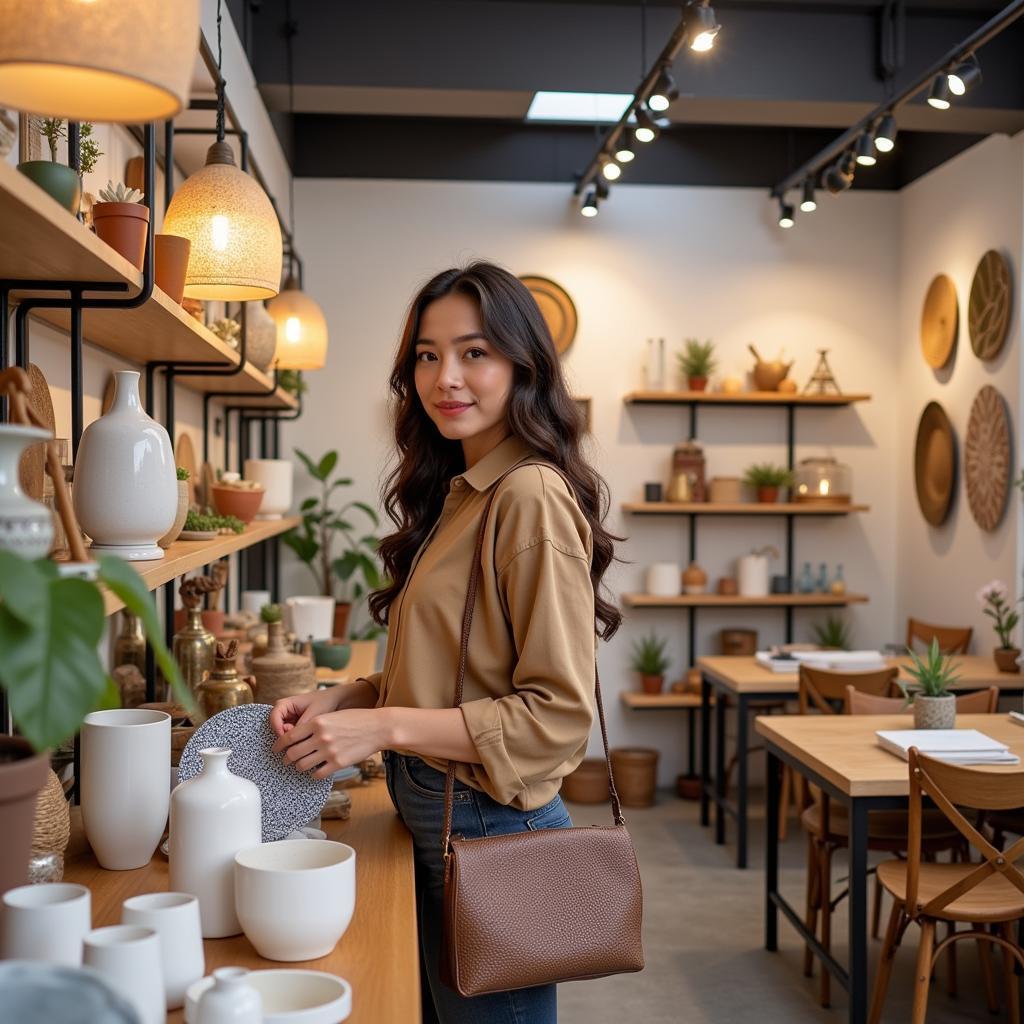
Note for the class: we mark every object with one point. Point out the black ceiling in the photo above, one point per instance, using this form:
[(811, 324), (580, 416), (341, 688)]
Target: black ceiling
[(437, 88)]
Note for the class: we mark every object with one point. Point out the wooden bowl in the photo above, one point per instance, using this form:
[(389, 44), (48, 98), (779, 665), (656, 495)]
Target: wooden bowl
[(237, 501)]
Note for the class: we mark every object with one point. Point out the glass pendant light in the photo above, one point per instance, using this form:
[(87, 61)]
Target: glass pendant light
[(127, 62), (301, 329), (235, 235)]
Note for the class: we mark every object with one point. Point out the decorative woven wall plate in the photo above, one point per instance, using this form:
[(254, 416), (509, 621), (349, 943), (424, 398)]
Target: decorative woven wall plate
[(556, 307), (940, 318), (990, 305), (32, 468), (934, 463), (987, 458), (185, 456)]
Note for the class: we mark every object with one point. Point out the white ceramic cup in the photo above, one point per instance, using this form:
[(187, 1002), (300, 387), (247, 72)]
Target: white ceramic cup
[(664, 579), (125, 796), (295, 897), (174, 916), (311, 617), (254, 600), (45, 922), (276, 477), (128, 956)]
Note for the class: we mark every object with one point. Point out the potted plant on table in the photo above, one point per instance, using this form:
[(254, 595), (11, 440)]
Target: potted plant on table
[(768, 479), (650, 662), (993, 598), (121, 219), (832, 634), (697, 363), (934, 704), (58, 180)]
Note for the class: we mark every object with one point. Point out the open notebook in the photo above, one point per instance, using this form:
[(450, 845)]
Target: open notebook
[(957, 746)]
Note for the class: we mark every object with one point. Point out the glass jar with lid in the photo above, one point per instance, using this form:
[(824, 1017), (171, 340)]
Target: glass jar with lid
[(823, 480)]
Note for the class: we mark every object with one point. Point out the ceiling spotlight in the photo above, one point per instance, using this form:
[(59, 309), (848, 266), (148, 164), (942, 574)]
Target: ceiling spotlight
[(939, 96), (646, 128), (866, 150), (589, 207), (624, 148), (785, 214), (839, 177), (610, 169), (703, 26), (808, 204), (885, 134), (665, 91), (966, 74)]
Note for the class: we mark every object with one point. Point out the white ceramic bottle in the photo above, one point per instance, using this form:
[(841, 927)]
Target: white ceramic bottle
[(213, 816), (230, 999), (126, 487), (26, 526)]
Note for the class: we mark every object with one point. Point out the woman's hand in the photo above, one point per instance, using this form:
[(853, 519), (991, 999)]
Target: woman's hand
[(290, 711), (334, 739)]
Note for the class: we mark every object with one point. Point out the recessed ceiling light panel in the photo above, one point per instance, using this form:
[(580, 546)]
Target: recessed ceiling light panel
[(585, 107)]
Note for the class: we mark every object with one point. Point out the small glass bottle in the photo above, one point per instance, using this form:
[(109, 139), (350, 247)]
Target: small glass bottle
[(838, 585), (822, 585), (806, 584)]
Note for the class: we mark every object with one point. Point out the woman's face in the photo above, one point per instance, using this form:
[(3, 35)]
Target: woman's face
[(462, 379)]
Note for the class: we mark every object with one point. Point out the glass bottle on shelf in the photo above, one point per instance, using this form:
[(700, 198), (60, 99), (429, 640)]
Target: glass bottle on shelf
[(838, 585), (806, 584), (822, 585)]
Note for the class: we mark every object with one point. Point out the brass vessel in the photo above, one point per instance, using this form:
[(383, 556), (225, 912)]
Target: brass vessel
[(130, 645), (224, 688), (194, 648)]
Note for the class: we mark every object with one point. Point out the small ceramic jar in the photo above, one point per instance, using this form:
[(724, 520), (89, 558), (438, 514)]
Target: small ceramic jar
[(230, 999)]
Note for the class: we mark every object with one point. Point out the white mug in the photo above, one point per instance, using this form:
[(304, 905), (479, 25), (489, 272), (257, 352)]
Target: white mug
[(254, 600), (128, 956), (664, 579), (45, 922)]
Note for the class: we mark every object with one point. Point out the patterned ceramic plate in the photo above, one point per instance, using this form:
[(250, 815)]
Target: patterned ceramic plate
[(290, 798)]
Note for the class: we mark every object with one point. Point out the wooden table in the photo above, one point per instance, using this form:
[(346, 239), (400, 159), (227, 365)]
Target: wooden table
[(841, 755), (744, 681), (378, 954)]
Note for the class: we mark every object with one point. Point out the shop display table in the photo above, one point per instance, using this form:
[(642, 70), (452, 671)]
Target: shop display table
[(378, 954)]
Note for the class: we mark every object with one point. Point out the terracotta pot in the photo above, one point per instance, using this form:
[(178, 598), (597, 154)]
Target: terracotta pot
[(342, 611), (588, 784), (688, 787), (768, 495), (22, 776), (727, 586), (123, 227), (57, 180), (636, 772), (1006, 659), (279, 672), (170, 253), (237, 501), (697, 383), (934, 712), (179, 520), (652, 684)]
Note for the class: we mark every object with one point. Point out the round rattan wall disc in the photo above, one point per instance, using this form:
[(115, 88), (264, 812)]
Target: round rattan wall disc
[(939, 321), (934, 463), (990, 304), (987, 458), (32, 468), (556, 307)]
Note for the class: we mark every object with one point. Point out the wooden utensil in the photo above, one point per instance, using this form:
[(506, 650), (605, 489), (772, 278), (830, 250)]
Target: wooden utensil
[(940, 319), (31, 469), (987, 458), (934, 464), (556, 307), (988, 309), (185, 456)]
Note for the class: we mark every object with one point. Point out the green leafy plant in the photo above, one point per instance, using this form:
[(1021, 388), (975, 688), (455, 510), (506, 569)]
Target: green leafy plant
[(698, 358), (292, 382), (53, 130), (833, 632), (88, 149), (993, 599), (322, 526), (182, 473), (50, 627), (767, 474), (120, 193), (270, 613), (649, 658), (205, 520), (934, 674)]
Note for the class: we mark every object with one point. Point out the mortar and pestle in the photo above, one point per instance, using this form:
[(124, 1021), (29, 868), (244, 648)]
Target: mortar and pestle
[(768, 376)]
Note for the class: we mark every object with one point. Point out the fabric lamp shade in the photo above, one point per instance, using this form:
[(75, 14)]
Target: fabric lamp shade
[(125, 61), (235, 235), (301, 329)]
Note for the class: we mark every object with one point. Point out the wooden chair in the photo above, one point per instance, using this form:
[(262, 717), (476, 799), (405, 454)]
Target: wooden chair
[(987, 894), (952, 639), (977, 702)]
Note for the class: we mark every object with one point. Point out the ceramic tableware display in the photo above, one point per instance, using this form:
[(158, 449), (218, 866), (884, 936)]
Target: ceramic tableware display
[(295, 898), (26, 526), (230, 999), (38, 993), (281, 673), (126, 487), (290, 996), (275, 476), (45, 922), (310, 617), (664, 579), (128, 956), (289, 798), (213, 815), (174, 916)]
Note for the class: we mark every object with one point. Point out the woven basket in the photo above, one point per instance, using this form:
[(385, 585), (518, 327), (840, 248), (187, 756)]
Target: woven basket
[(636, 772), (51, 828), (588, 784)]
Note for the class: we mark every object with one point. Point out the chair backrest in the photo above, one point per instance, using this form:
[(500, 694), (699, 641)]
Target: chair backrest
[(952, 639), (949, 785), (822, 689), (978, 702)]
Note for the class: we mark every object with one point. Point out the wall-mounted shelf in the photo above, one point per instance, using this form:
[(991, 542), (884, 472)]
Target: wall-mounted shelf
[(185, 555), (774, 398), (706, 508), (40, 240), (735, 601), (652, 701)]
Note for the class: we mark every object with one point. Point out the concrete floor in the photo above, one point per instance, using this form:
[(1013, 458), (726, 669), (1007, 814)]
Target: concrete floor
[(703, 937)]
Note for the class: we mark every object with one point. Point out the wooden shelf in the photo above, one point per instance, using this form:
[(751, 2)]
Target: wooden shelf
[(185, 555), (743, 508), (40, 240), (744, 398), (654, 701), (721, 601)]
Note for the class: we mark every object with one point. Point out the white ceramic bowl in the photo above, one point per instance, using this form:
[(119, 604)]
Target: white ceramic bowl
[(289, 996), (295, 897), (310, 616)]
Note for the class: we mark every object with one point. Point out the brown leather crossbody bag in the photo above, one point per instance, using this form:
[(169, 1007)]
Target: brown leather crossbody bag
[(533, 908)]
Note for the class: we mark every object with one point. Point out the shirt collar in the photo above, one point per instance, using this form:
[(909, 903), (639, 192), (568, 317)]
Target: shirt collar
[(507, 454)]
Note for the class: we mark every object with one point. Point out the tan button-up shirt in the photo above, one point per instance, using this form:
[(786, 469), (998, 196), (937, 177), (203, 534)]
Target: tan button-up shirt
[(529, 686)]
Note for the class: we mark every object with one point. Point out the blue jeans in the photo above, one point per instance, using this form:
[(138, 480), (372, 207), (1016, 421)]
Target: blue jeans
[(417, 791)]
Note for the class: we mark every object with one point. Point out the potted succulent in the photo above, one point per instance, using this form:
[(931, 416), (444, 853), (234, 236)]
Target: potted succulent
[(993, 599), (697, 363), (55, 178), (50, 628), (650, 662), (292, 382), (934, 704), (768, 479), (314, 543), (833, 634), (121, 219)]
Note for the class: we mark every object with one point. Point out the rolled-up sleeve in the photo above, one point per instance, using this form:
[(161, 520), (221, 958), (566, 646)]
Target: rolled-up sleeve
[(373, 680)]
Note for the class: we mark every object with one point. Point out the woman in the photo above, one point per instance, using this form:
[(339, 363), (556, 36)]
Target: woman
[(479, 389)]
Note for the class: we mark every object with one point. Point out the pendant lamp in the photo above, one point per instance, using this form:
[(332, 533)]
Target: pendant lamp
[(128, 61), (301, 329)]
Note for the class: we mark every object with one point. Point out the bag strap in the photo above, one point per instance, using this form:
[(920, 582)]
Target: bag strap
[(467, 622)]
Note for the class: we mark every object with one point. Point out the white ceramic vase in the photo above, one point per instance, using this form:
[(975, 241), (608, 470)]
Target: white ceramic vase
[(213, 816), (664, 579), (26, 525), (126, 487), (310, 617), (128, 956), (230, 999), (254, 600), (276, 477), (45, 922), (125, 756), (752, 574)]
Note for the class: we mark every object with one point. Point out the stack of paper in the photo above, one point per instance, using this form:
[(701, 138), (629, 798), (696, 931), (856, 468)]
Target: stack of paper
[(843, 661), (777, 662), (957, 746)]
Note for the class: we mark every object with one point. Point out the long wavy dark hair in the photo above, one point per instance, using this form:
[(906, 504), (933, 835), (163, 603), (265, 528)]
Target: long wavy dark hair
[(541, 413)]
